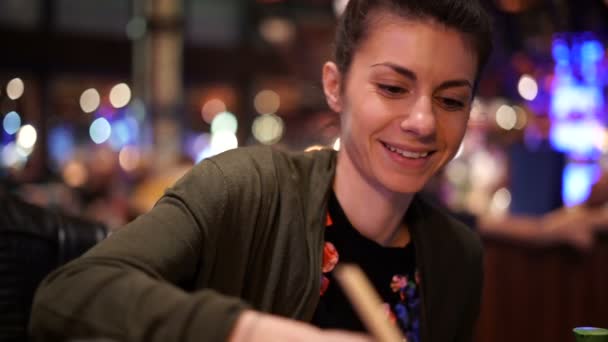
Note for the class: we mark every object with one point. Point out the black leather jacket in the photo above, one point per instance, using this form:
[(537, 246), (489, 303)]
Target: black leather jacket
[(33, 242)]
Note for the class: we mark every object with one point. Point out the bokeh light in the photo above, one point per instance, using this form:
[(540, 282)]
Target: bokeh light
[(198, 146), (561, 52), (501, 201), (223, 141), (224, 122), (601, 140), (268, 129), (577, 182), (527, 87), (11, 157), (129, 158), (277, 30), (336, 145), (24, 151), (15, 88), (61, 144), (204, 154), (11, 122), (124, 131), (100, 130), (89, 100), (120, 95), (136, 28), (457, 172), (74, 174), (267, 102), (506, 117), (592, 51), (212, 108), (26, 137), (522, 117), (576, 136)]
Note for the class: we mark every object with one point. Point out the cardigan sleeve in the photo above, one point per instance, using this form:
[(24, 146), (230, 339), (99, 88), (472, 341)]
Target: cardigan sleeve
[(127, 288), (467, 329)]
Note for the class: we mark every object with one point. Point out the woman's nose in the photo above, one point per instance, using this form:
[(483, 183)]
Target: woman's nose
[(420, 120)]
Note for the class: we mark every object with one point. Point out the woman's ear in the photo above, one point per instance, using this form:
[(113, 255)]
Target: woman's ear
[(332, 86)]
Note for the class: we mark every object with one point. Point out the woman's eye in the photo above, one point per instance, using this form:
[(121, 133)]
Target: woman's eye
[(391, 90), (451, 104)]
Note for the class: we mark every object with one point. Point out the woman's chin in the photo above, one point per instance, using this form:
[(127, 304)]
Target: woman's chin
[(402, 184)]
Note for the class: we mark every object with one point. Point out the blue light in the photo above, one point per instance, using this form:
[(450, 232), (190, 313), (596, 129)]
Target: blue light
[(204, 154), (576, 104), (137, 109), (133, 126), (577, 180), (561, 53), (61, 144), (196, 144), (574, 136), (575, 53), (100, 130), (589, 72), (11, 123), (121, 135), (106, 111), (583, 100), (592, 51)]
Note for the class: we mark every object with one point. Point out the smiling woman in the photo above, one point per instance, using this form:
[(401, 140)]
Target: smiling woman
[(405, 101), (243, 247)]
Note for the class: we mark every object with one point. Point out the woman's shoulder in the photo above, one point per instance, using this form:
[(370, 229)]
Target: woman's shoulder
[(266, 161)]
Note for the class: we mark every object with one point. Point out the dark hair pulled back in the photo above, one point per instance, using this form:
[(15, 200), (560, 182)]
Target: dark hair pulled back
[(466, 16)]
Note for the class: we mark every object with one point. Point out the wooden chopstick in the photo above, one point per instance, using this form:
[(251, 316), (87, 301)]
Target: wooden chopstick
[(367, 303)]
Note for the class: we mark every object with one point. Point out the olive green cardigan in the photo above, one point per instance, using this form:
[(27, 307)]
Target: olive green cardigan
[(241, 230)]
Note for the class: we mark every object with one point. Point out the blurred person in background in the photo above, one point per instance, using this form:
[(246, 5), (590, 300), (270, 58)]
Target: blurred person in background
[(242, 248), (535, 170), (575, 226), (537, 214)]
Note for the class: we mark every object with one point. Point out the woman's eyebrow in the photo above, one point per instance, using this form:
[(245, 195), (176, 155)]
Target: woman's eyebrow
[(399, 69), (455, 83)]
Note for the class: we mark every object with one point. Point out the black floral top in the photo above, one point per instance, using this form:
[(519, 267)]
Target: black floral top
[(391, 270)]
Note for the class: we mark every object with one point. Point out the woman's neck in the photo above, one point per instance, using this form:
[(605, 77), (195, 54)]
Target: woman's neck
[(374, 211)]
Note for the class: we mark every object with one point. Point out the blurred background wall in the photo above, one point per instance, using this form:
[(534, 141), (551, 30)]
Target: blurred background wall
[(96, 92)]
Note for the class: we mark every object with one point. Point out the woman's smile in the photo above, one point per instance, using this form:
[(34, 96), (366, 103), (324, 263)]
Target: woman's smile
[(406, 156)]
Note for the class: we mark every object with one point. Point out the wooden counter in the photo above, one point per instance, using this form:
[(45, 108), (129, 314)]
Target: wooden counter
[(536, 293)]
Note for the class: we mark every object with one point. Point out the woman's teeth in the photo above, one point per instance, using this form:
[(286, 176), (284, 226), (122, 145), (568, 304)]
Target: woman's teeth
[(406, 154)]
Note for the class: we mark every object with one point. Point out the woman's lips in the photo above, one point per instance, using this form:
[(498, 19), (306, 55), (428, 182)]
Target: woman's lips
[(407, 153)]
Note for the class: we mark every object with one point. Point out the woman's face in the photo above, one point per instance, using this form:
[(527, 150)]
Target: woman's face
[(404, 102)]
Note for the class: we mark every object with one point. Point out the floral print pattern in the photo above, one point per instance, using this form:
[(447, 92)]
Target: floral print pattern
[(404, 312), (330, 260), (407, 308), (330, 257), (324, 285)]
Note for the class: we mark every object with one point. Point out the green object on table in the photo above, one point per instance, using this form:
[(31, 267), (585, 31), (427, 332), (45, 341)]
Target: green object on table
[(590, 334)]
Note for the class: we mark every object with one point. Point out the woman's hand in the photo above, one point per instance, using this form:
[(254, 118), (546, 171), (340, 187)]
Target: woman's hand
[(254, 326)]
